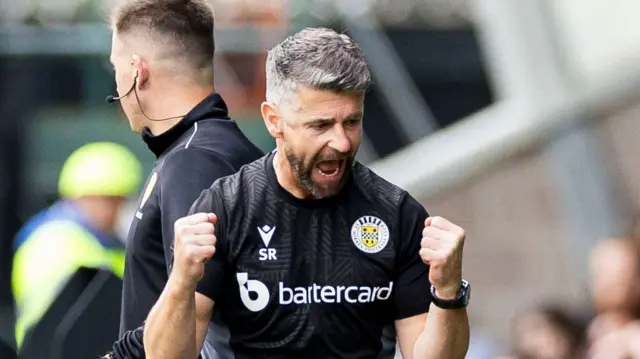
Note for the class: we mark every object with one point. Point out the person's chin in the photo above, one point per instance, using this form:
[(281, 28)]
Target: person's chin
[(136, 127), (328, 187)]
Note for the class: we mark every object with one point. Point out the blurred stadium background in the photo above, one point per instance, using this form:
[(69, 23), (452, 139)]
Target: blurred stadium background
[(516, 119)]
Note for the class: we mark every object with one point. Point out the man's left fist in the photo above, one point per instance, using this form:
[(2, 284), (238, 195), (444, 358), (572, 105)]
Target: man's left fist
[(442, 243)]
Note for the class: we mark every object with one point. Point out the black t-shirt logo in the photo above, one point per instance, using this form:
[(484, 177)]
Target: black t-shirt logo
[(266, 233)]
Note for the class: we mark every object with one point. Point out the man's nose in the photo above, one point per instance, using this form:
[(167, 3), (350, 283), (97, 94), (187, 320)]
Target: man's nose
[(340, 142)]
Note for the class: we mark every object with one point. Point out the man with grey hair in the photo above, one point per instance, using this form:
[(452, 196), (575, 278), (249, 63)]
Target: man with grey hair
[(307, 253)]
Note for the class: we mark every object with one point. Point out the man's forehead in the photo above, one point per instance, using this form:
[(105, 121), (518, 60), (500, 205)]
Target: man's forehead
[(325, 102), (310, 95), (116, 46)]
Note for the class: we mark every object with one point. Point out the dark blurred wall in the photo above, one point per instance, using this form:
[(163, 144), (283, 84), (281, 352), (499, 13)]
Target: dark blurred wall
[(447, 68), (28, 84), (13, 109)]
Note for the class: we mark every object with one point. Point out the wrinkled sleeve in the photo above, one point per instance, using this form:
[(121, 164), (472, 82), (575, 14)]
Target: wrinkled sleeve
[(412, 293)]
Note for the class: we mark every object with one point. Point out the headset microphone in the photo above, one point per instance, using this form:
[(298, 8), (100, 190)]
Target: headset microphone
[(112, 99)]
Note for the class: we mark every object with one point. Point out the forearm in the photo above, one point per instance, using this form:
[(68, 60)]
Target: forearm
[(170, 330), (445, 335)]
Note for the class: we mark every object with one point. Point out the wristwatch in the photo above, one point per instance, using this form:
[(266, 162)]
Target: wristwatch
[(461, 301)]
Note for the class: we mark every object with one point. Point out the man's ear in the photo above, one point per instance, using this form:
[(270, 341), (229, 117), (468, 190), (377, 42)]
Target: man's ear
[(140, 71), (272, 119)]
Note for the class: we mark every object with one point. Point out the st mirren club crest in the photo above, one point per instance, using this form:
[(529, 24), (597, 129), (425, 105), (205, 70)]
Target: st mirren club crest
[(370, 234)]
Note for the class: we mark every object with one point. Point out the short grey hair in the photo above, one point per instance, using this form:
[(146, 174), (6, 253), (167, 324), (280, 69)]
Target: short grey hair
[(319, 58)]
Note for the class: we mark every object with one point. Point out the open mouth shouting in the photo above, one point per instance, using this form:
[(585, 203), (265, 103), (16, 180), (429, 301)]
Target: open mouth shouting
[(330, 170)]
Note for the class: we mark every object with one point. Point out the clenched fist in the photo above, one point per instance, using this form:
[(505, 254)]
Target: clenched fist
[(441, 248), (195, 243)]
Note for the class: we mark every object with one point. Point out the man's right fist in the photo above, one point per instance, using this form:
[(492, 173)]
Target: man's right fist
[(195, 243)]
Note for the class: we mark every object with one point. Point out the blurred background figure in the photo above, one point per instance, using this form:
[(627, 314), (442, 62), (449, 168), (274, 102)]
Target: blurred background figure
[(547, 333), (77, 231), (615, 289)]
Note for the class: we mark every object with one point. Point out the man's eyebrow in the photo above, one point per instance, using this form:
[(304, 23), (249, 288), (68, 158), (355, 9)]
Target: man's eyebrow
[(356, 115), (319, 121), (322, 121)]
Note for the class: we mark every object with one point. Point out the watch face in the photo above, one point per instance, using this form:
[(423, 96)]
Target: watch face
[(467, 292)]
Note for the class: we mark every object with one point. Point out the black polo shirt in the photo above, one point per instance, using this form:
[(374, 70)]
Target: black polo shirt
[(204, 146)]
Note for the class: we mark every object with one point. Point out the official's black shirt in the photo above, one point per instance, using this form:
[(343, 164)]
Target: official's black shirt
[(204, 146), (298, 278)]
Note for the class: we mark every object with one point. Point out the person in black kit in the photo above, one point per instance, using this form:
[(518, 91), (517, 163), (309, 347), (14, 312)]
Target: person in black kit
[(162, 52), (307, 253)]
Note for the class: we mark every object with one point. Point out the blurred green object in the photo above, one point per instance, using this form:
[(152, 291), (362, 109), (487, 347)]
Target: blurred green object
[(100, 169), (55, 134)]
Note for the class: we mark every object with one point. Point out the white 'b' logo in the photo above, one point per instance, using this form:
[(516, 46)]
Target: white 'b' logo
[(260, 292)]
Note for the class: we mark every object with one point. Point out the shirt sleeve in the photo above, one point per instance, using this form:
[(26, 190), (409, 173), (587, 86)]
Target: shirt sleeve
[(412, 293), (215, 269), (129, 346), (185, 174)]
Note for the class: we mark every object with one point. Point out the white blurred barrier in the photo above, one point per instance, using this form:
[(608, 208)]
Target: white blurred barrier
[(537, 96), (455, 155)]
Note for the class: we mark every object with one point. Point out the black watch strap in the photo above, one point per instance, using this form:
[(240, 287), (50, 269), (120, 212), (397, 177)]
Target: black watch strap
[(461, 301)]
